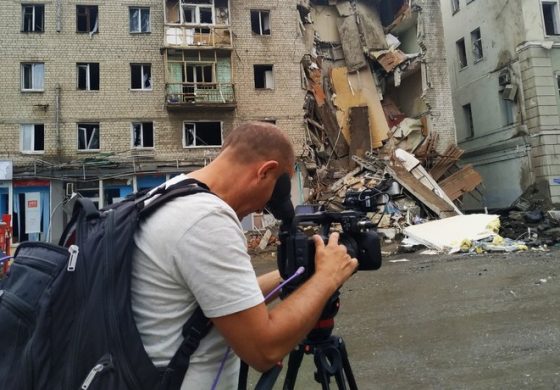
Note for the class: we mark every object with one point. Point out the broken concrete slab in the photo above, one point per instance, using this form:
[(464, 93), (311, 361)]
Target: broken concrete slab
[(360, 139), (351, 43), (447, 234)]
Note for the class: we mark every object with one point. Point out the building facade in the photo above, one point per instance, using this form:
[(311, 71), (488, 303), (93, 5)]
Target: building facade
[(504, 64), (105, 98)]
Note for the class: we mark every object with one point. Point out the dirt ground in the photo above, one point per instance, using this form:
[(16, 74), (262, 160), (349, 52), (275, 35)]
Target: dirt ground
[(449, 322)]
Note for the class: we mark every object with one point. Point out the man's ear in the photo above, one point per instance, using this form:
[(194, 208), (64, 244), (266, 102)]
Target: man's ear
[(266, 169)]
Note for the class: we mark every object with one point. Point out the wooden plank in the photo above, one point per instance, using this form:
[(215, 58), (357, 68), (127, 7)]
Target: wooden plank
[(451, 155), (421, 192), (461, 182), (360, 141)]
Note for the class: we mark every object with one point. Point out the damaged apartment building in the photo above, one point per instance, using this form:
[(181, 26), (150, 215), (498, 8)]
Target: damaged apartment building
[(377, 80), (504, 65), (103, 98)]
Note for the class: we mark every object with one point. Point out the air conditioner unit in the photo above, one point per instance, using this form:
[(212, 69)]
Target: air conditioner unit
[(504, 78), (69, 189), (510, 92)]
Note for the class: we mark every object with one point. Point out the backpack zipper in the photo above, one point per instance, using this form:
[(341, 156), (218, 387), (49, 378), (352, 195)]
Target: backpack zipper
[(74, 251), (106, 362)]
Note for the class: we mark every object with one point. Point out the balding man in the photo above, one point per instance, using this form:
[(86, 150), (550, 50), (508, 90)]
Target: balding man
[(192, 253)]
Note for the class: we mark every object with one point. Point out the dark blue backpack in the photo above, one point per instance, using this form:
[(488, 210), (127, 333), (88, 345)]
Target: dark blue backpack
[(65, 314)]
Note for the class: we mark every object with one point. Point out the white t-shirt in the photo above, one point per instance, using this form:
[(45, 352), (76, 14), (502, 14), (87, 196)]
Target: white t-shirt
[(191, 252)]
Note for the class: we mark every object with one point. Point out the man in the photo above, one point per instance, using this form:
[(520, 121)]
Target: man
[(192, 252)]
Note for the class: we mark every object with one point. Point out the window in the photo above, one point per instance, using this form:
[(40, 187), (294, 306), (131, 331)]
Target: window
[(550, 17), (33, 18), (461, 53), (141, 76), (467, 112), (260, 22), (197, 11), (32, 76), (87, 19), (88, 136), (202, 134), (139, 20), (264, 78), (143, 134), (200, 73), (454, 6), (476, 45), (88, 76), (33, 138)]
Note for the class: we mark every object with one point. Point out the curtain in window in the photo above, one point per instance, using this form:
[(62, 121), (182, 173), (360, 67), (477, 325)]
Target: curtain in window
[(27, 135), (175, 80), (134, 13), (38, 75)]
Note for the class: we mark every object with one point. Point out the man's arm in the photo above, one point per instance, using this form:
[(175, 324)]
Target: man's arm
[(261, 337), (269, 281)]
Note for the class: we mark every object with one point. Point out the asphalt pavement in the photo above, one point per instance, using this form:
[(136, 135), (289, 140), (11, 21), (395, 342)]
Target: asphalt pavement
[(487, 321)]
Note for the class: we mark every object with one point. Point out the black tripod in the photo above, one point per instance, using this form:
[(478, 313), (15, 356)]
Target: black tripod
[(329, 354)]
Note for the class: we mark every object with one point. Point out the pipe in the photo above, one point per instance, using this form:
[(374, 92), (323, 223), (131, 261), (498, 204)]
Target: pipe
[(57, 120)]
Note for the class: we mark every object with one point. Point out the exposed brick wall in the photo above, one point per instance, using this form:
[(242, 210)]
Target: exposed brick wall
[(438, 94), (115, 106)]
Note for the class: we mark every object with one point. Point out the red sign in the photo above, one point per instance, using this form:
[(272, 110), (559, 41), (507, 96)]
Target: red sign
[(32, 204)]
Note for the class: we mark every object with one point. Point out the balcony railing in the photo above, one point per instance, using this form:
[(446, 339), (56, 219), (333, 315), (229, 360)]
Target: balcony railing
[(181, 36), (200, 95)]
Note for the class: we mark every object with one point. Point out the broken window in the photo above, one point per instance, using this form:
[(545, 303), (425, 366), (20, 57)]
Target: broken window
[(477, 45), (461, 53), (550, 17), (88, 76), (139, 20), (87, 19), (454, 6), (260, 22), (192, 11), (264, 78), (467, 112), (33, 138), (32, 76), (143, 135), (199, 73), (202, 134), (141, 76), (88, 136), (33, 17)]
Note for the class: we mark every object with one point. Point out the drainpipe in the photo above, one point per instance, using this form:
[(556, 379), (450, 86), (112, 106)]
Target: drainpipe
[(57, 120)]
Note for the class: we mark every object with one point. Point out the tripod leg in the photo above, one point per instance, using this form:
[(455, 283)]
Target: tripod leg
[(321, 375), (346, 365), (294, 362)]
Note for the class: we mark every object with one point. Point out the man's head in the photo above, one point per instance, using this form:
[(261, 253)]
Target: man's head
[(253, 157)]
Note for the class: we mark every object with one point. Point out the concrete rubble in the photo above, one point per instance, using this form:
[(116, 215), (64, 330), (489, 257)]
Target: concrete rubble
[(357, 75)]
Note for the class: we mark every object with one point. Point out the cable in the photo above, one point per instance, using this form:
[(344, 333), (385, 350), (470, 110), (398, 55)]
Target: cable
[(298, 272)]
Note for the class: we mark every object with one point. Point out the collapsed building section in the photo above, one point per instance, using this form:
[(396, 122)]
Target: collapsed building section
[(379, 107)]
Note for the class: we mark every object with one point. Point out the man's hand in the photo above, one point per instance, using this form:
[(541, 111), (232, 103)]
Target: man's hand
[(332, 261)]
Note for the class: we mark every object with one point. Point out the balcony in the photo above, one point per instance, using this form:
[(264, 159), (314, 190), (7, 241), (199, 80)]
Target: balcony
[(184, 96), (211, 37)]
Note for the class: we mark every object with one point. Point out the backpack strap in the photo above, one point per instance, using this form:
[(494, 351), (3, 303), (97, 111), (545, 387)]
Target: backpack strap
[(194, 330)]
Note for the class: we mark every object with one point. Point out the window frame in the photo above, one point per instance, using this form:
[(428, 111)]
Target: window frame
[(91, 24), (265, 88), (474, 43), (88, 150), (185, 4), (260, 12), (463, 49), (88, 76), (33, 6), (455, 6), (184, 133), (140, 9), (33, 87), (469, 121), (25, 126), (141, 65), (556, 17), (142, 136)]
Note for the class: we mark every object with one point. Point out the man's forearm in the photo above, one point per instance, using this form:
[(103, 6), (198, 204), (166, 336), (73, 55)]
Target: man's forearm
[(269, 281)]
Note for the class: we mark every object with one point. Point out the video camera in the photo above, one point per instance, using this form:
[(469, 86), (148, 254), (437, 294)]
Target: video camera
[(297, 248)]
